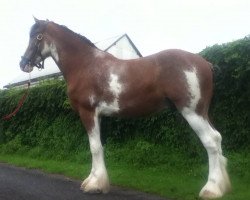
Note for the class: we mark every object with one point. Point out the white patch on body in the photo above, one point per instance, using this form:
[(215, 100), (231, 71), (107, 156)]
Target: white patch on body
[(194, 88), (92, 100), (108, 109), (114, 85), (115, 88)]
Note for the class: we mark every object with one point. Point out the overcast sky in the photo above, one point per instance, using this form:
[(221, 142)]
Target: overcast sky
[(153, 25)]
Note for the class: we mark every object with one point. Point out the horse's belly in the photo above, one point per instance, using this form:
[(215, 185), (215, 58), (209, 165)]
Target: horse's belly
[(141, 108)]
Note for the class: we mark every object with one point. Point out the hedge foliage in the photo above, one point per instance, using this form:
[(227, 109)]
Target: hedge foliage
[(231, 105), (47, 121)]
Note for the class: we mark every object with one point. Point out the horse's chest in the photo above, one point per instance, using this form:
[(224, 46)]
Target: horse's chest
[(99, 95)]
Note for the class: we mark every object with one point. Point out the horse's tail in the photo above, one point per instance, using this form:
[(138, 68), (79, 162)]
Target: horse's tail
[(215, 68)]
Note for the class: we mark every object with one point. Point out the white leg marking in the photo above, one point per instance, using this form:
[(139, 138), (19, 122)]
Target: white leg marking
[(115, 87), (218, 180), (194, 88), (98, 180)]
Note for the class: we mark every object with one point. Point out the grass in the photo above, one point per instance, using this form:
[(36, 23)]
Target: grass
[(70, 169), (174, 180)]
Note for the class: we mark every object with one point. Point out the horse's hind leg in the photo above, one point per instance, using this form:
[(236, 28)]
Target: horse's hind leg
[(218, 181)]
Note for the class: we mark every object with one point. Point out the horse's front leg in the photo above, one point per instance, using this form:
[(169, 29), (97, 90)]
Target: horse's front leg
[(97, 181)]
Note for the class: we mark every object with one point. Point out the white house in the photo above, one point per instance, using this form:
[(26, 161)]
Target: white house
[(120, 46)]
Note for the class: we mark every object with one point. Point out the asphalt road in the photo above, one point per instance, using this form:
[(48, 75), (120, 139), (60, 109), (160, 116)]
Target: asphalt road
[(22, 184)]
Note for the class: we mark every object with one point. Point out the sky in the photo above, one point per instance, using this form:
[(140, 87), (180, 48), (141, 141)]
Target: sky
[(153, 25)]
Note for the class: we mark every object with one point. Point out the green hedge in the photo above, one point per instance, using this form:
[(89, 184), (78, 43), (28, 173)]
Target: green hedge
[(231, 103), (47, 121)]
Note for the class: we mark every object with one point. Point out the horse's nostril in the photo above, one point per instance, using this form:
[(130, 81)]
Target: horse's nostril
[(24, 61), (22, 64)]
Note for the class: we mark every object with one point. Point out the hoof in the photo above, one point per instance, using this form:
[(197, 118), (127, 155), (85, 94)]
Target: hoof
[(96, 185), (206, 194), (91, 190), (210, 191)]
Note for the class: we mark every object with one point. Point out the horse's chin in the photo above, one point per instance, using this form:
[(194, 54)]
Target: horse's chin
[(27, 68)]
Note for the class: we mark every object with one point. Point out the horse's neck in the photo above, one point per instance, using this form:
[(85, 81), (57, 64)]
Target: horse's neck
[(74, 55)]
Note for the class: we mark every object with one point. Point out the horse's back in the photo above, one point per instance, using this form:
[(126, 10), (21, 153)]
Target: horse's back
[(152, 81), (180, 70), (181, 60)]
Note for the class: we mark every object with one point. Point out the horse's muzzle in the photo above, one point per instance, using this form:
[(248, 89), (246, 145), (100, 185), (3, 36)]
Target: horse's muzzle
[(25, 65)]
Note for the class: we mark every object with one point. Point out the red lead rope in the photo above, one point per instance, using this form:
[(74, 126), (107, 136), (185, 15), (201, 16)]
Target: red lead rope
[(20, 103)]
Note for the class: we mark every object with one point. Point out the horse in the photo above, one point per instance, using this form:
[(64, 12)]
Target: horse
[(99, 84)]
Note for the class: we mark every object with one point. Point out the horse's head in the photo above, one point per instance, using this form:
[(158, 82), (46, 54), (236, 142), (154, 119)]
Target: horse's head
[(36, 52)]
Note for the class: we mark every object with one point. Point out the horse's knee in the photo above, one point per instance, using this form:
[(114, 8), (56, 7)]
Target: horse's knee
[(213, 142)]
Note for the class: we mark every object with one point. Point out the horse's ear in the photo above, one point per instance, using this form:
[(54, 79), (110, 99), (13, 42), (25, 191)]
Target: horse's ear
[(36, 20)]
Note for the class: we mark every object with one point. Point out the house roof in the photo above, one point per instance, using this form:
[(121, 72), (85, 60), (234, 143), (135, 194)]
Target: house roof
[(112, 42), (120, 46)]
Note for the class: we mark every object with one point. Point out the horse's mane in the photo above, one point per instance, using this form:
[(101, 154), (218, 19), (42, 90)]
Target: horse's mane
[(81, 37), (41, 25)]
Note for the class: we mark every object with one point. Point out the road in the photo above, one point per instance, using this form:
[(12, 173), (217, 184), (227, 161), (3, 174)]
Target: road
[(24, 184)]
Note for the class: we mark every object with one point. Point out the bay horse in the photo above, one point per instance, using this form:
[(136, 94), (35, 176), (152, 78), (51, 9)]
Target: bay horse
[(100, 84)]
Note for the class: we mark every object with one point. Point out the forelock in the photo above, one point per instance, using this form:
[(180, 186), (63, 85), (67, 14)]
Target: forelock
[(37, 28)]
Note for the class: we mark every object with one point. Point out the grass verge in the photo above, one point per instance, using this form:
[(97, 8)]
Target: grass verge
[(182, 183)]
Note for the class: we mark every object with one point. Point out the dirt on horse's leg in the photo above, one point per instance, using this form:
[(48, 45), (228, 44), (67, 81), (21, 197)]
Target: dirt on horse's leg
[(97, 181), (218, 180)]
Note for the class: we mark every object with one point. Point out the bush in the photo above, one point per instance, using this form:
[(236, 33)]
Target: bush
[(231, 103)]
